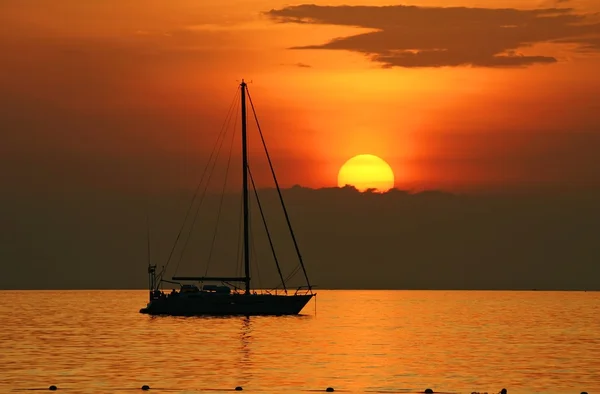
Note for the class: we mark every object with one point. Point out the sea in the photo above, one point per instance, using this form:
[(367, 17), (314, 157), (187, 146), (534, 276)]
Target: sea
[(354, 341)]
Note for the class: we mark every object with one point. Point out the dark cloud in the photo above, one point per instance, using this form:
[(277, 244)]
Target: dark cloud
[(411, 36), (299, 64), (399, 240), (585, 44)]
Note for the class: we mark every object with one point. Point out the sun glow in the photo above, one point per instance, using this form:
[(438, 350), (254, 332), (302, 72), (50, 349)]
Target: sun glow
[(366, 172)]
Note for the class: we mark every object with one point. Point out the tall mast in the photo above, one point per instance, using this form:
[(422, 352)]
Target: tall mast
[(148, 234), (151, 268), (245, 190)]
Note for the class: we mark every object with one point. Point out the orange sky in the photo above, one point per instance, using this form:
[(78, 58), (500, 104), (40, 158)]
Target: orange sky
[(113, 93)]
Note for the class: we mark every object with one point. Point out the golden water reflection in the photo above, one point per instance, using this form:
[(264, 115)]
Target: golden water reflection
[(96, 341)]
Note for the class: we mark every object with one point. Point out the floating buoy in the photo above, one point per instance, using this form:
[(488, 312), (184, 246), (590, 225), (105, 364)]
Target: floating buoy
[(503, 391), (238, 388), (145, 387), (428, 391), (329, 389), (584, 392), (53, 388)]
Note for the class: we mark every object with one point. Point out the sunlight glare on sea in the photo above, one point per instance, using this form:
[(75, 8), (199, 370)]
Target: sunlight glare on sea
[(358, 341)]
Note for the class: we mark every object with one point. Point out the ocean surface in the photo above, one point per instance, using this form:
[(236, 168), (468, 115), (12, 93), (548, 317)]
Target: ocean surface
[(358, 341)]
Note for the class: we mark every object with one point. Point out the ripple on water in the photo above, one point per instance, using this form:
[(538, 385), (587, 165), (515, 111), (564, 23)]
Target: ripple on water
[(360, 340)]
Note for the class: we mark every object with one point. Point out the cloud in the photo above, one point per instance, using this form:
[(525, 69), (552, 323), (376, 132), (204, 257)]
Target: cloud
[(299, 64), (411, 36), (348, 239), (584, 44)]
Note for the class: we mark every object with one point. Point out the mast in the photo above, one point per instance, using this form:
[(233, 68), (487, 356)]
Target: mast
[(151, 268), (245, 190), (148, 235)]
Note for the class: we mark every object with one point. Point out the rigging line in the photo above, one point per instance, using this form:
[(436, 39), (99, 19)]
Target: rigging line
[(290, 276), (266, 229), (220, 137), (287, 218), (294, 272), (201, 200), (255, 261), (196, 191), (253, 258), (222, 194), (148, 232)]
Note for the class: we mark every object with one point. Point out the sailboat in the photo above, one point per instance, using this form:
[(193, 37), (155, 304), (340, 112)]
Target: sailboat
[(232, 295)]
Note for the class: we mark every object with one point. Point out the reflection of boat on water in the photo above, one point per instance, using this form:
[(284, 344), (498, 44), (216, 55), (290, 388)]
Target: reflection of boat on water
[(227, 298), (245, 362)]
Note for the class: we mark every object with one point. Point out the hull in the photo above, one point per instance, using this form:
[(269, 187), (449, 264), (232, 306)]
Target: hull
[(211, 304)]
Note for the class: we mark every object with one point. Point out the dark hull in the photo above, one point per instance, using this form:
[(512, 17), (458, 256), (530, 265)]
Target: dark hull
[(211, 304)]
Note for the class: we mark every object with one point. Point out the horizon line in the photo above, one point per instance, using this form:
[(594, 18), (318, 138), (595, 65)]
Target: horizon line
[(327, 289)]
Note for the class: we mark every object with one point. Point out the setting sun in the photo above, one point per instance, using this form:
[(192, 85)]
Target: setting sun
[(366, 172)]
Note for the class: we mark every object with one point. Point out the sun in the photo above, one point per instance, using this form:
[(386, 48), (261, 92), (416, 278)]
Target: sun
[(366, 172)]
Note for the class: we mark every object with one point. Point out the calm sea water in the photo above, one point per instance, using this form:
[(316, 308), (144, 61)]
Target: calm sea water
[(358, 341)]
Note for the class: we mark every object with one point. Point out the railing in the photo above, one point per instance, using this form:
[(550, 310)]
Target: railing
[(308, 289)]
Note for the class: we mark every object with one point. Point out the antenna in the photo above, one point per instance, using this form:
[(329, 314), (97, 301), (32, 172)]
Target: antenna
[(148, 234)]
